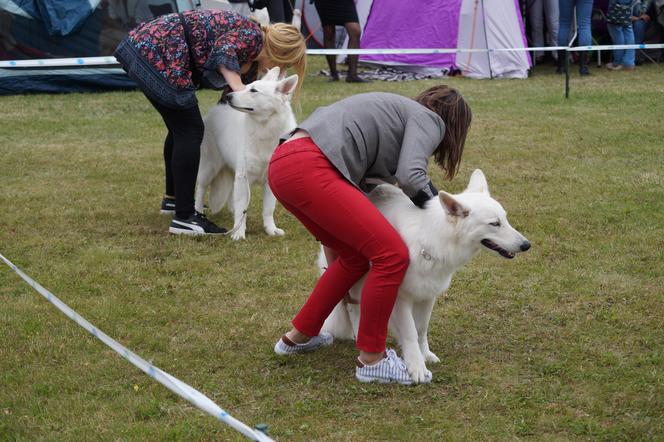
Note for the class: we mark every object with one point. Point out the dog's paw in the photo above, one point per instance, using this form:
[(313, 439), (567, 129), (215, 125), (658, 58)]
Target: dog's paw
[(274, 231), (430, 357), (238, 235), (419, 373)]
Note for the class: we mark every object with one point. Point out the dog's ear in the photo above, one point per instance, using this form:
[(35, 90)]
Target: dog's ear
[(477, 183), (287, 85), (271, 74), (452, 206)]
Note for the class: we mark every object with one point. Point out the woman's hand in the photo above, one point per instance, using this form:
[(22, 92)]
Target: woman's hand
[(232, 78)]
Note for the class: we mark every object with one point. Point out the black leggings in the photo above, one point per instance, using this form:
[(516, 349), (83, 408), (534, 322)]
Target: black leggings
[(182, 153)]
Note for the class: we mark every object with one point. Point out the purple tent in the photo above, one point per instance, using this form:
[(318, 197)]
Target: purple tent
[(476, 24)]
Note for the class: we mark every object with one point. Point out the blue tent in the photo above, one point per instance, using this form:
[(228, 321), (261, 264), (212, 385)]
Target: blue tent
[(43, 29)]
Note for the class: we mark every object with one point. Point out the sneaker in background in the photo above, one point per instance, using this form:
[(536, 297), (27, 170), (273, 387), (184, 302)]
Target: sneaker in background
[(167, 206)]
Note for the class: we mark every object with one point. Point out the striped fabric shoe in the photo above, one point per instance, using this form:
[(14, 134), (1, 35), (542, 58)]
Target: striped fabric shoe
[(389, 369), (285, 346)]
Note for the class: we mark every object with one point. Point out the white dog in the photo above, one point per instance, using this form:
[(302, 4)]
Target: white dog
[(237, 145), (441, 238)]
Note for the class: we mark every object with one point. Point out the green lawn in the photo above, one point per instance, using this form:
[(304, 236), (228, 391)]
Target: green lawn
[(564, 342)]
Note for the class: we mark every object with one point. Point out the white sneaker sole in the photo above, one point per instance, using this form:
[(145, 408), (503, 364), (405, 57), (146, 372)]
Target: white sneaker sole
[(368, 380), (176, 231)]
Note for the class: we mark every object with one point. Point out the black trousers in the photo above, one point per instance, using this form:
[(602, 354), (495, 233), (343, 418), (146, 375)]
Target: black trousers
[(182, 153)]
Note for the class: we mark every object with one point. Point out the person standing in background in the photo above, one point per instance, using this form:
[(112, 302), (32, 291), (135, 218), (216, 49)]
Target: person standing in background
[(619, 22), (584, 10), (539, 12), (342, 13)]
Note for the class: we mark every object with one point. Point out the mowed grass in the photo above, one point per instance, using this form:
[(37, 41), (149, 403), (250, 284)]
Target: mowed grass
[(564, 342)]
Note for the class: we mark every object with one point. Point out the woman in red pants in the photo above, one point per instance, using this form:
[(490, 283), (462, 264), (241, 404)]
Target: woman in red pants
[(320, 175)]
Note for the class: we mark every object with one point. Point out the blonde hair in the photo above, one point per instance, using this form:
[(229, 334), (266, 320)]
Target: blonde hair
[(284, 45)]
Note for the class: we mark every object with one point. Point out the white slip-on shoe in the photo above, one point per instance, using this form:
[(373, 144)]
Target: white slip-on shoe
[(389, 369), (285, 346)]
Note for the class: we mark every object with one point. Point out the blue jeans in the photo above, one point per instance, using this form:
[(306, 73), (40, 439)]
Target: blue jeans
[(584, 10), (640, 27), (622, 35)]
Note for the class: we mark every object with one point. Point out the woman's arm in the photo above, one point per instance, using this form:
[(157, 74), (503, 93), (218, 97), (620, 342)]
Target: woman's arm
[(232, 78)]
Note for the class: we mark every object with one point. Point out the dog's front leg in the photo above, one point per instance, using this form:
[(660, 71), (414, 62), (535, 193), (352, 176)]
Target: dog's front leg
[(403, 326), (422, 315), (241, 196), (269, 203)]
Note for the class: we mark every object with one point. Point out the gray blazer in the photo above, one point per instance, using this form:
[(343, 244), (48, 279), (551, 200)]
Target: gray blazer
[(380, 136)]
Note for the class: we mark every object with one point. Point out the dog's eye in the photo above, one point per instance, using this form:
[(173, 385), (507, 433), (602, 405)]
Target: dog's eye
[(495, 224), (253, 90)]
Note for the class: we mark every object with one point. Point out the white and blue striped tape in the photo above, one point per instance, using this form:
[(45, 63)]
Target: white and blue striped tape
[(101, 61), (178, 387)]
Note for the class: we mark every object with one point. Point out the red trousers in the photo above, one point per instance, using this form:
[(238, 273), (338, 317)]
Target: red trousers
[(342, 218)]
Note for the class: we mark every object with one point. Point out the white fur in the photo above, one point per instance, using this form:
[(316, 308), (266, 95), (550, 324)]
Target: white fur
[(441, 238), (238, 143)]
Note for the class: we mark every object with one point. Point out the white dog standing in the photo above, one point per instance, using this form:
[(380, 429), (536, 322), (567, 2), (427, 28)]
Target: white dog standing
[(239, 140), (441, 238)]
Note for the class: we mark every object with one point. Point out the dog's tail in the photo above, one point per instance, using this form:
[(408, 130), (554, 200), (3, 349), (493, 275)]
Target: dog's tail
[(338, 323), (220, 189)]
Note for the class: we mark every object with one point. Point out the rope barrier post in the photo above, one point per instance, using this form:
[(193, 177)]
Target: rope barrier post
[(566, 73)]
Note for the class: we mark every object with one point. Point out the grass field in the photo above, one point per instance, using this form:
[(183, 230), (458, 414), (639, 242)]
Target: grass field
[(563, 343)]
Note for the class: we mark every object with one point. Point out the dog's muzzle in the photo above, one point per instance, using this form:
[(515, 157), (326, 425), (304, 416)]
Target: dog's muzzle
[(496, 248)]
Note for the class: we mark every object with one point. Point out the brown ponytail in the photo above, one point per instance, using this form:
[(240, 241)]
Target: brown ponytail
[(456, 114)]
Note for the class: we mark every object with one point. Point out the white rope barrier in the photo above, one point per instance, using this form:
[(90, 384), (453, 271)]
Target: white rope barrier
[(178, 387), (101, 61)]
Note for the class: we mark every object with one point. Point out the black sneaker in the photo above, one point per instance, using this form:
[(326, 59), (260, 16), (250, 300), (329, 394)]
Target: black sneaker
[(196, 224), (167, 206)]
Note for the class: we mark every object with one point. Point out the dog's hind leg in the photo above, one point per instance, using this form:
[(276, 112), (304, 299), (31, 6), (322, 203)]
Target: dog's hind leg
[(241, 197), (205, 176), (403, 326), (422, 315), (269, 203), (220, 189), (338, 324)]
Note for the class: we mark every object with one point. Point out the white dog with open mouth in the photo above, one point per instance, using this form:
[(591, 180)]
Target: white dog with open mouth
[(239, 140), (441, 238)]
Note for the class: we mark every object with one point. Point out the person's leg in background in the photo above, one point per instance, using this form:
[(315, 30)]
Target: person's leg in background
[(617, 38), (584, 10), (288, 10), (329, 34), (276, 10), (566, 9), (354, 33), (629, 59), (551, 16), (639, 27), (536, 16)]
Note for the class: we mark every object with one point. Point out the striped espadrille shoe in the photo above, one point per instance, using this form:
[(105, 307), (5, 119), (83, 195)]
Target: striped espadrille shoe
[(285, 346), (389, 369)]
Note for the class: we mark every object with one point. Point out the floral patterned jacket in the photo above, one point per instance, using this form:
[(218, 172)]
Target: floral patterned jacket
[(155, 54)]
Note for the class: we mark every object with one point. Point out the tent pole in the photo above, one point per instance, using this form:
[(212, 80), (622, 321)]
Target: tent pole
[(486, 41)]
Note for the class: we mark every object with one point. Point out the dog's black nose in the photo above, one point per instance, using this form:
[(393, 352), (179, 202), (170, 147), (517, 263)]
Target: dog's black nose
[(525, 246)]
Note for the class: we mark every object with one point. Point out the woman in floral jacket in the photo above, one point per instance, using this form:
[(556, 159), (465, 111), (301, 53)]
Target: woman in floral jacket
[(170, 56)]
